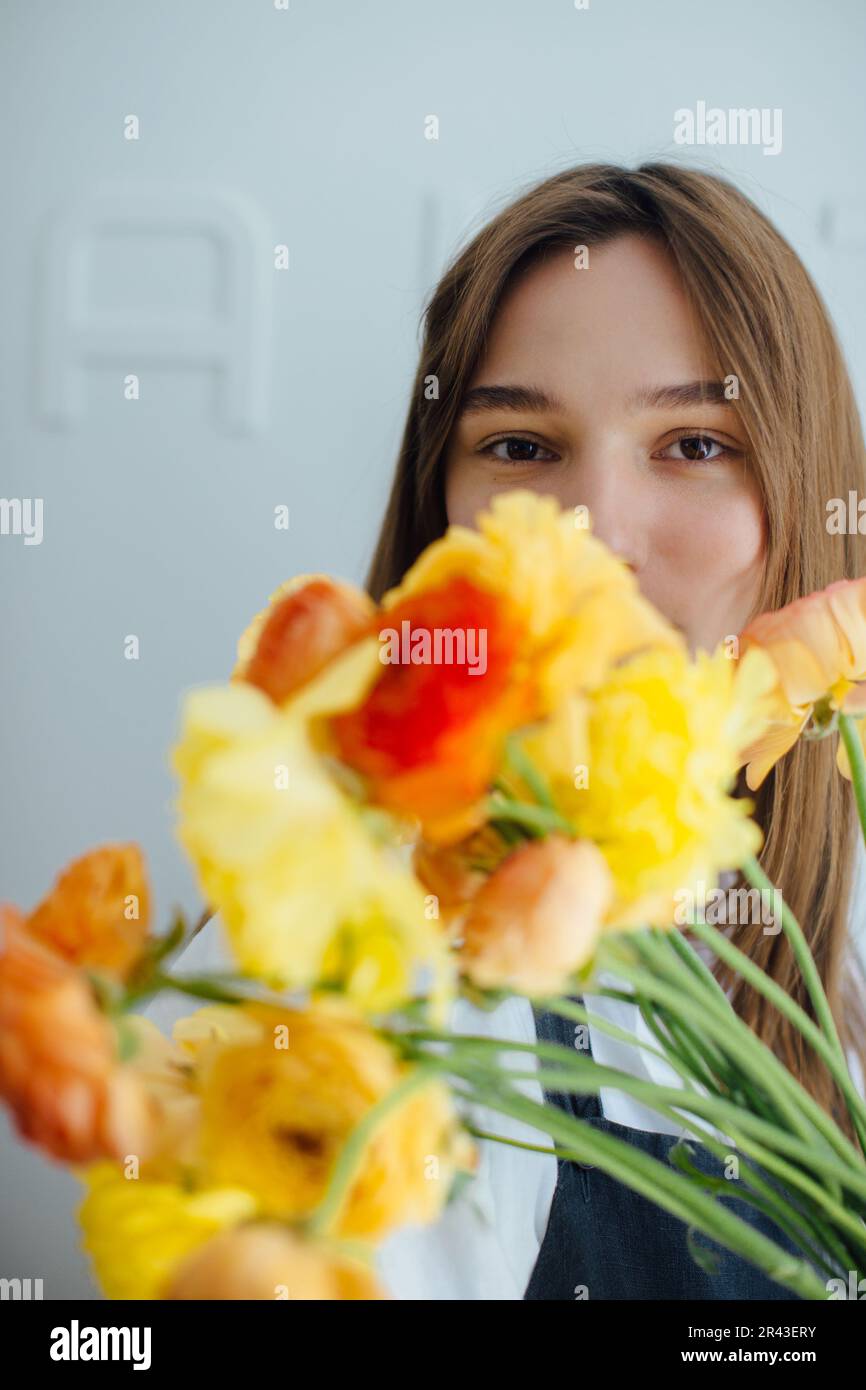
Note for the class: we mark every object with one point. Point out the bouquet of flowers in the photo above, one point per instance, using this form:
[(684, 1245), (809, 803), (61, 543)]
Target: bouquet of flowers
[(500, 781)]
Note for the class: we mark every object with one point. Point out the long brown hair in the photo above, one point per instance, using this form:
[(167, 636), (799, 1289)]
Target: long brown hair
[(765, 323)]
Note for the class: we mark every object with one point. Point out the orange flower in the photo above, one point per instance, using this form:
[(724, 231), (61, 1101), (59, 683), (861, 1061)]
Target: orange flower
[(97, 913), (309, 621), (58, 1068), (429, 734), (269, 1261), (489, 630), (537, 918), (818, 647)]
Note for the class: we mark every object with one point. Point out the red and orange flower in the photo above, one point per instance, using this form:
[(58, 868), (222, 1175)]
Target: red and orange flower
[(554, 608)]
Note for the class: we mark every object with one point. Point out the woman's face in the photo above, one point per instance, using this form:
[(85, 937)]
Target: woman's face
[(590, 390)]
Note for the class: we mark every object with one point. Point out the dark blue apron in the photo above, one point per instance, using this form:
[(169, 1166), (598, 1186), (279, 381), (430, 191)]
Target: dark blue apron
[(604, 1241)]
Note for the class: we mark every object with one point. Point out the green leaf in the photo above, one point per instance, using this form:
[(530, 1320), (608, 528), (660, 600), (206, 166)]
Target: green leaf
[(708, 1260)]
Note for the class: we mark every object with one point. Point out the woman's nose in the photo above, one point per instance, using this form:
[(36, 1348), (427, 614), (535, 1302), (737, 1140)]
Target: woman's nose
[(609, 490)]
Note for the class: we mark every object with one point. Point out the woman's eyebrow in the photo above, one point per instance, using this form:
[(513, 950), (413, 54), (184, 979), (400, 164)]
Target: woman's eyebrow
[(481, 398), (533, 398), (686, 393)]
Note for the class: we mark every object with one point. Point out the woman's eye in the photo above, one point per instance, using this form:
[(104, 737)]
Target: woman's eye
[(696, 448), (519, 450)]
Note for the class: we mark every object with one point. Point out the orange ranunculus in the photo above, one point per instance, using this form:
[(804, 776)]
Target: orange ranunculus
[(818, 647), (429, 734), (538, 917), (264, 1260), (309, 621), (98, 912), (59, 1072)]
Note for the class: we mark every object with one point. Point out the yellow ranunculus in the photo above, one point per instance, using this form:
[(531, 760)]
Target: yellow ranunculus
[(305, 891), (276, 1112), (645, 767), (269, 1095), (137, 1232)]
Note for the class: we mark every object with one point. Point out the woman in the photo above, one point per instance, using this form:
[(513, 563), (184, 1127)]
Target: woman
[(646, 344)]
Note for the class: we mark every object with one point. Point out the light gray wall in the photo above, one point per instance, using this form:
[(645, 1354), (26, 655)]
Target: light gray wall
[(260, 126)]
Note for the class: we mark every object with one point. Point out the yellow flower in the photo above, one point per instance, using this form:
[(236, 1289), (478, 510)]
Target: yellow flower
[(269, 1096), (277, 1111), (818, 648), (644, 769), (306, 892), (267, 1261), (137, 1232)]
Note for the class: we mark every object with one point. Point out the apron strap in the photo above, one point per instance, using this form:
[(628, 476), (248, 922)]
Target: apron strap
[(550, 1027)]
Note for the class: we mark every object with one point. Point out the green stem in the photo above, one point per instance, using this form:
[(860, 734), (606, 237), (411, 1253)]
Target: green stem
[(664, 1186), (205, 916), (737, 1080), (348, 1160), (857, 763), (583, 1075), (520, 763), (586, 1076), (799, 1109), (668, 956), (673, 1034), (578, 1013), (825, 1040), (791, 1175), (556, 1079), (669, 951), (538, 820), (196, 986), (799, 1225), (569, 1008), (485, 1078), (772, 1205), (690, 958), (516, 1143)]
